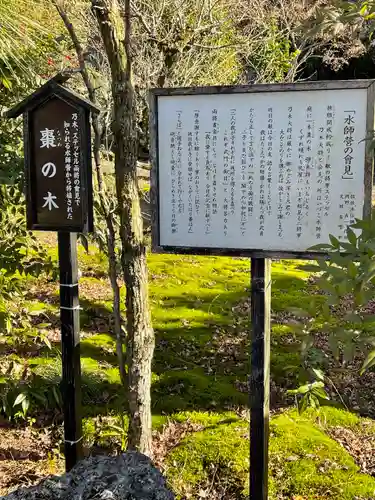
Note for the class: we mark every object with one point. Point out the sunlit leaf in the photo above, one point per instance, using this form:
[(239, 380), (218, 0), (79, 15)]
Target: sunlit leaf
[(318, 373), (352, 269), (322, 247), (351, 236), (334, 241), (20, 398), (303, 389), (321, 393), (303, 404), (25, 405), (368, 363)]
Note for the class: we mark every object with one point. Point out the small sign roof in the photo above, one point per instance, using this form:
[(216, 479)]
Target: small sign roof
[(49, 88)]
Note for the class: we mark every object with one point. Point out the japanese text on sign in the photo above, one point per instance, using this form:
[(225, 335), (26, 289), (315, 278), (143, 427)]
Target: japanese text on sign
[(58, 164), (276, 171)]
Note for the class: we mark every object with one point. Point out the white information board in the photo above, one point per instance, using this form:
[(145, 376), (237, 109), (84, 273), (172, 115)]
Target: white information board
[(276, 171)]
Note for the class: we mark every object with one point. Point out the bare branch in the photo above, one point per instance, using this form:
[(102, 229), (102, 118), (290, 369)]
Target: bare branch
[(78, 48), (127, 40), (141, 18), (212, 47)]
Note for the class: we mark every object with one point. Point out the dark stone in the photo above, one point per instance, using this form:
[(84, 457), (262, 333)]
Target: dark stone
[(130, 476)]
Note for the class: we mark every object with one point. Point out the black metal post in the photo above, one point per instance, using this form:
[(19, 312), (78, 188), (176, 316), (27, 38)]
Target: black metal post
[(70, 348), (260, 377)]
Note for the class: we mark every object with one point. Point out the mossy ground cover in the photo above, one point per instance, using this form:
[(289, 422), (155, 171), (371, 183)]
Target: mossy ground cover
[(201, 316)]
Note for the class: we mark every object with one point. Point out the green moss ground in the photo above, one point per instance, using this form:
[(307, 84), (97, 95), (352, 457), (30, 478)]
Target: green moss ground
[(304, 461), (200, 309)]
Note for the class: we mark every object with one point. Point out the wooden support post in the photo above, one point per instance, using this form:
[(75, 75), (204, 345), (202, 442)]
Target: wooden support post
[(70, 348), (260, 377)]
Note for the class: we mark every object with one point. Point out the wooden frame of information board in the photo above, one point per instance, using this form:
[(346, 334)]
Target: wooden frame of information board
[(155, 94)]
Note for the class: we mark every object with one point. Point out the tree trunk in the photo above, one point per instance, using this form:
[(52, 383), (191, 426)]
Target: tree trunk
[(140, 336), (110, 234)]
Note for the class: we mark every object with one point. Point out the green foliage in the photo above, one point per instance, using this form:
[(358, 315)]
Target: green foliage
[(311, 394), (217, 456), (117, 430), (29, 54), (274, 57), (11, 151), (19, 329), (22, 390), (20, 256), (201, 318), (27, 41), (347, 278), (304, 461), (358, 14)]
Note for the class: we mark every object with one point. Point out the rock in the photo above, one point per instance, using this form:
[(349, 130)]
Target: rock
[(130, 476)]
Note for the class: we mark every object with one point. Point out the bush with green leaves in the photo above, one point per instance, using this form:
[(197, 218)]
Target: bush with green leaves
[(20, 256), (347, 277), (23, 390), (274, 57)]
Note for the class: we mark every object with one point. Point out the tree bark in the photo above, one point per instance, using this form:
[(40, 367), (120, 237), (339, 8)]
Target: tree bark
[(140, 336), (111, 234)]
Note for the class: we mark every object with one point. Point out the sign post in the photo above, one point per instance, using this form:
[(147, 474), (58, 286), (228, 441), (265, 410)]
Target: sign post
[(70, 348), (57, 150), (260, 343), (259, 171)]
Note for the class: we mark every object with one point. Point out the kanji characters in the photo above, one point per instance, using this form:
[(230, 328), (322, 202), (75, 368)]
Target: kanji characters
[(50, 201), (48, 139)]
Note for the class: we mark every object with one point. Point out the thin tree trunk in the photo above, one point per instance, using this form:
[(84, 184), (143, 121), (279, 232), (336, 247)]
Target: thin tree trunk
[(111, 234), (140, 336)]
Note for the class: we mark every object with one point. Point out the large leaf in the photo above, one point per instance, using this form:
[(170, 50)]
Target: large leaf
[(351, 236), (352, 269), (321, 393), (312, 268), (20, 398), (25, 405), (369, 318), (352, 317), (304, 389), (369, 273), (322, 247), (300, 313), (334, 241), (348, 247), (318, 373), (303, 404), (39, 396), (369, 362)]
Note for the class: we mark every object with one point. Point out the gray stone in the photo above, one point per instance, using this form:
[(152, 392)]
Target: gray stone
[(130, 476)]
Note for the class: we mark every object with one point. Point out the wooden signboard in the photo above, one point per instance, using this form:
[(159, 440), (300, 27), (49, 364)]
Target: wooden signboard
[(57, 159), (57, 150), (261, 171)]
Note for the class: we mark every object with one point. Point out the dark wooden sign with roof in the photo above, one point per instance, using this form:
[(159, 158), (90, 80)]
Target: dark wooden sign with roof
[(58, 172), (57, 149)]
